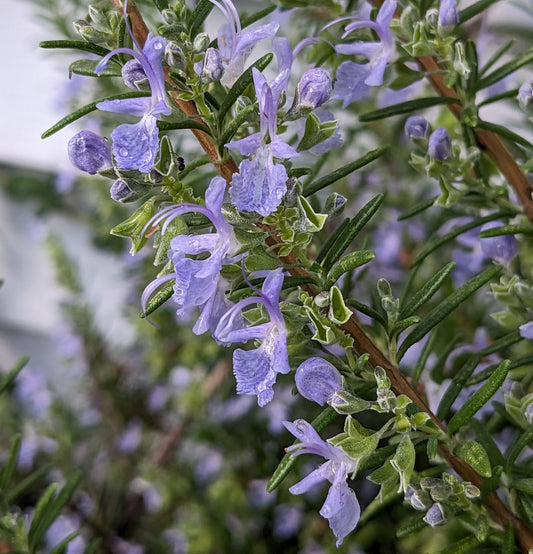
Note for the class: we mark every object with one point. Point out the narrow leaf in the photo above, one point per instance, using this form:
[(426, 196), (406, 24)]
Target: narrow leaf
[(430, 287), (480, 398), (475, 456), (518, 445), (484, 437), (186, 124), (87, 68), (508, 546), (510, 67), (422, 206), (370, 312), (158, 299), (414, 525), (347, 263), (199, 15), (496, 56), (331, 239), (9, 378), (445, 307), (356, 224), (11, 464), (407, 107), (235, 123), (256, 16), (474, 9), (507, 230), (62, 546), (241, 84), (287, 463), (504, 132), (27, 483), (70, 118), (75, 45), (524, 485), (461, 547), (440, 241), (513, 93), (344, 170), (43, 505)]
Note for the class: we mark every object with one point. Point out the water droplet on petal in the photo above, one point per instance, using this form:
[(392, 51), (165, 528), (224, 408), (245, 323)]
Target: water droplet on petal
[(158, 45), (123, 152)]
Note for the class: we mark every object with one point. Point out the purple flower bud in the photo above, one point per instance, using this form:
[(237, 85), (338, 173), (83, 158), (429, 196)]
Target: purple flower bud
[(525, 94), (440, 144), (211, 69), (314, 88), (448, 16), (435, 515), (318, 380), (89, 152), (526, 330), (134, 75), (416, 126), (529, 413), (120, 192), (502, 248)]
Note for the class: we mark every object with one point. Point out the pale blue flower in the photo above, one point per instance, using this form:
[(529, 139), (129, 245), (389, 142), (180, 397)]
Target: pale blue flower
[(89, 152), (256, 370), (341, 507), (198, 280), (318, 380), (135, 146), (234, 43), (440, 144), (353, 79), (448, 16)]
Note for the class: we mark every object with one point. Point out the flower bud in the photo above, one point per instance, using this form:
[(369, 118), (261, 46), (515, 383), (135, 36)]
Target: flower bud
[(420, 500), (416, 126), (174, 56), (211, 68), (89, 152), (502, 248), (448, 16), (318, 380), (525, 94), (435, 515), (335, 204), (314, 88), (526, 330), (201, 42), (440, 144), (386, 399), (169, 16), (119, 191), (134, 75)]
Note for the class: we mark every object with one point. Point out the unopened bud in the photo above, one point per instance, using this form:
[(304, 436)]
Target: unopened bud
[(314, 88), (435, 515), (90, 34), (335, 204), (448, 16), (416, 126), (440, 144), (201, 42), (134, 75), (420, 500), (89, 152), (318, 380), (120, 191), (169, 16), (211, 68), (174, 55)]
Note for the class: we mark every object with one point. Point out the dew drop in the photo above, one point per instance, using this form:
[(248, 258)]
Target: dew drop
[(158, 45), (123, 152)]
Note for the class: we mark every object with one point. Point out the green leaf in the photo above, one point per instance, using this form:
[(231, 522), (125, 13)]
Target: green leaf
[(288, 461), (198, 16), (133, 227), (495, 57), (461, 547), (484, 437), (513, 93), (315, 132), (480, 398), (348, 263), (186, 124), (158, 299), (508, 546), (331, 239), (241, 85), (11, 464), (422, 206), (414, 525), (50, 510), (338, 312), (70, 118), (432, 245), (518, 445), (350, 232), (75, 45), (403, 461), (504, 132), (474, 9), (430, 287), (475, 456), (256, 16), (507, 230), (9, 378), (87, 68), (344, 170), (61, 548), (27, 484), (235, 123), (445, 307), (367, 310), (313, 221), (405, 76), (524, 485), (509, 67), (407, 107)]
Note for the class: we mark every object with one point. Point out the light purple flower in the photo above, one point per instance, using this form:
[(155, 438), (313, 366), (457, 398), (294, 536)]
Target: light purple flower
[(198, 281), (440, 144), (502, 248), (526, 330), (314, 88), (448, 16), (255, 370), (261, 184), (318, 380), (341, 507), (89, 152), (416, 126), (135, 146), (211, 68), (353, 80), (234, 43)]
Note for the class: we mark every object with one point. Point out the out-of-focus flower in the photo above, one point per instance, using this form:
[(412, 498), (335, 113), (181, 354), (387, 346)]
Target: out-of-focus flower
[(448, 16), (440, 144)]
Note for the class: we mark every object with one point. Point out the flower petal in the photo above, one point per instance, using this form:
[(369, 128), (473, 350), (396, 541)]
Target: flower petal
[(135, 146)]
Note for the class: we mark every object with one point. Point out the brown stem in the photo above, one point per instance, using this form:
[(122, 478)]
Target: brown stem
[(362, 342)]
